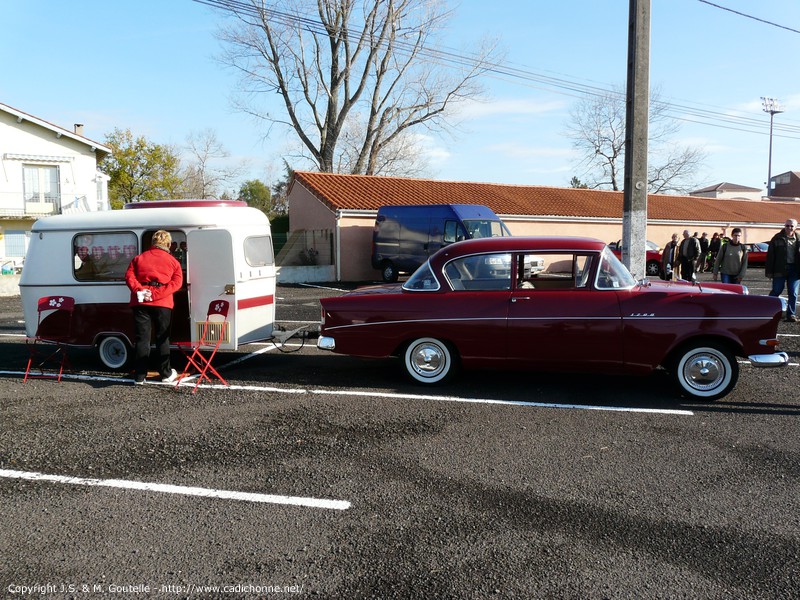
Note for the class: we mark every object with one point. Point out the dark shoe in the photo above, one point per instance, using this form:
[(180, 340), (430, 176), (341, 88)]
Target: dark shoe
[(791, 318), (139, 380)]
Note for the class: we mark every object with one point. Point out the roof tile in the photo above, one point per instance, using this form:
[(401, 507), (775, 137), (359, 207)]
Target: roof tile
[(367, 192)]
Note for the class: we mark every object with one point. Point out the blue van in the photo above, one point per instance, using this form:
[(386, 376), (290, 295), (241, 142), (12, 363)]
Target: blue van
[(405, 236)]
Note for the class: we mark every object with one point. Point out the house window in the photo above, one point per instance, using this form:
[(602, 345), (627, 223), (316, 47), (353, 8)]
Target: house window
[(15, 243), (42, 186)]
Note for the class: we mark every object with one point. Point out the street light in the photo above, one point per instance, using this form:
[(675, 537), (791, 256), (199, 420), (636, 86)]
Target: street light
[(772, 107)]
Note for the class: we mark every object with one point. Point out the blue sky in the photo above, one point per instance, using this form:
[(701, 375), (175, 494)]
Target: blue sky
[(149, 65)]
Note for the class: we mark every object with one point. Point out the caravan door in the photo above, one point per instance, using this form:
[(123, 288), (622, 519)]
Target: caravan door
[(238, 269), (210, 266)]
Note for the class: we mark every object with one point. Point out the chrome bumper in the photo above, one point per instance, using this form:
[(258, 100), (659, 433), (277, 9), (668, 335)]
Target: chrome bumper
[(778, 359), (326, 343)]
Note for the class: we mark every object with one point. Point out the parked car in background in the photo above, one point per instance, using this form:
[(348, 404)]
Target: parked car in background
[(582, 312), (757, 254), (652, 263)]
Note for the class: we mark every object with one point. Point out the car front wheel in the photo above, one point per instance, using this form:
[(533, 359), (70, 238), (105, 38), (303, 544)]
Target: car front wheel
[(428, 360), (653, 269), (706, 371)]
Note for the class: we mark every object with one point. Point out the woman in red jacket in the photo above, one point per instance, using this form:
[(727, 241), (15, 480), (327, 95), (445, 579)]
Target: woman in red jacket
[(153, 277)]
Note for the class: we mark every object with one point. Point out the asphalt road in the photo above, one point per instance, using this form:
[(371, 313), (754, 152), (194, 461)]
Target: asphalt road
[(361, 485)]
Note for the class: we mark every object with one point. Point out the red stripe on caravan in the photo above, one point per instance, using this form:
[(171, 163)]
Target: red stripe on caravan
[(253, 302)]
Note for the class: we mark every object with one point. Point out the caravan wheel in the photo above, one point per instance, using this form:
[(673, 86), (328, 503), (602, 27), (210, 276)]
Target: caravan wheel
[(114, 352)]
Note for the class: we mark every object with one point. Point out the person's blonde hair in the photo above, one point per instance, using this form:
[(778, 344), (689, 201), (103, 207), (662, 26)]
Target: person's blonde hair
[(162, 239)]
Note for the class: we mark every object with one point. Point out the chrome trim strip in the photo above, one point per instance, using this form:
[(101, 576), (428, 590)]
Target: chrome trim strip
[(548, 318)]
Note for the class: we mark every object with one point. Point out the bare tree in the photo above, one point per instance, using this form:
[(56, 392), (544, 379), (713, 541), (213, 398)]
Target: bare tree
[(597, 130), (363, 68), (207, 173)]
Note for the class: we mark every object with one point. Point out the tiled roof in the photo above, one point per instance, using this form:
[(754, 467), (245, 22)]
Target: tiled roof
[(727, 187), (365, 192)]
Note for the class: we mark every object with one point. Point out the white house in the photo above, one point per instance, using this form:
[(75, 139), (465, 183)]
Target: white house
[(44, 170)]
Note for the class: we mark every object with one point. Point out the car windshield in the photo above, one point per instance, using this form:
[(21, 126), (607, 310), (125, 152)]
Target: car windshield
[(612, 274), (422, 280)]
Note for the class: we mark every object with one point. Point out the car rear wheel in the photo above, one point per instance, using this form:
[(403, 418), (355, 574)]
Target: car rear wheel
[(113, 352), (706, 371), (389, 272), (428, 360), (652, 268)]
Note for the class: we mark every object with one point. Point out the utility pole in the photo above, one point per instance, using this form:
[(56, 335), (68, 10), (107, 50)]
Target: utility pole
[(637, 101), (772, 107)]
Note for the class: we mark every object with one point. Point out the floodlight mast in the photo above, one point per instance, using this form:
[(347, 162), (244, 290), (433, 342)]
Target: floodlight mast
[(772, 107)]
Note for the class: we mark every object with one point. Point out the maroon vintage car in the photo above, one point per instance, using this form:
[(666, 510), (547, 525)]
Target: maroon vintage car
[(475, 303)]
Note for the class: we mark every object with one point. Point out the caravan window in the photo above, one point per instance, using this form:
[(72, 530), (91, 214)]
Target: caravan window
[(258, 251), (103, 256)]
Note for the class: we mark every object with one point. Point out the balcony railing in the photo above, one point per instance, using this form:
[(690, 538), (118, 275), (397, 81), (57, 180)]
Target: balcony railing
[(14, 204)]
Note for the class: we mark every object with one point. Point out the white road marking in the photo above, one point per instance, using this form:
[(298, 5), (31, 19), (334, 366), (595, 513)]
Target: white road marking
[(180, 489), (388, 395), (662, 411)]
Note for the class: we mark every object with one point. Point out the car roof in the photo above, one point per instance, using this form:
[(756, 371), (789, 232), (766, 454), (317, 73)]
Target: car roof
[(522, 244)]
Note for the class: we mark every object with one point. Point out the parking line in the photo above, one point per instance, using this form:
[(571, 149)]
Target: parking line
[(661, 411), (180, 489), (322, 392)]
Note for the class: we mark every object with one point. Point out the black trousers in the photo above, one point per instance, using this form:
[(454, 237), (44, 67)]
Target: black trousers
[(152, 323), (687, 268)]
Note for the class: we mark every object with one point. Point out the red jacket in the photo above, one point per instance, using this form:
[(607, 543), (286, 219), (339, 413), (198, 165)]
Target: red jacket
[(154, 265)]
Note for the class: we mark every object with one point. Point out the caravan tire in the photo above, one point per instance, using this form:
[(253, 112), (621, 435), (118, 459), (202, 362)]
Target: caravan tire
[(114, 352)]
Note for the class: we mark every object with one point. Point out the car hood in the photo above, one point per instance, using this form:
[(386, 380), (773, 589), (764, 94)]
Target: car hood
[(698, 287)]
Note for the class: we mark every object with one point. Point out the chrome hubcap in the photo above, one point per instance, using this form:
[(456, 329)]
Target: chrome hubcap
[(428, 359), (704, 372)]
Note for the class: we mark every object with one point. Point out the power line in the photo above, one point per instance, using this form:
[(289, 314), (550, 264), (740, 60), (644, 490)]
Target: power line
[(741, 14), (562, 85)]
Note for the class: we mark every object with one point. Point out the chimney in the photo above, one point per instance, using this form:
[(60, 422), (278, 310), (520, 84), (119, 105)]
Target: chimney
[(78, 128)]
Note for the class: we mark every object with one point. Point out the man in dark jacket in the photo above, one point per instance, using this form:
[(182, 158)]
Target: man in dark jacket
[(783, 260), (688, 252)]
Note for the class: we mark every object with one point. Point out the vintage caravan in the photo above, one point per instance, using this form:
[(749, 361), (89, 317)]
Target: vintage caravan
[(225, 248)]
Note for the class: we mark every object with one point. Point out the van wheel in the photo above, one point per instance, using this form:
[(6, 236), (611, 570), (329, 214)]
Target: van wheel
[(113, 352), (389, 272)]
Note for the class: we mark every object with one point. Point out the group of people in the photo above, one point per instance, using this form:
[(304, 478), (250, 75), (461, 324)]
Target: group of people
[(727, 259), (684, 259)]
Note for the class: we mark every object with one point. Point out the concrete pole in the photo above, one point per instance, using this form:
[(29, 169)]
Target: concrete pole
[(634, 215)]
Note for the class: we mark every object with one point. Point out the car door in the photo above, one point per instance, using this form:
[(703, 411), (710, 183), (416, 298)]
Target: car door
[(558, 320)]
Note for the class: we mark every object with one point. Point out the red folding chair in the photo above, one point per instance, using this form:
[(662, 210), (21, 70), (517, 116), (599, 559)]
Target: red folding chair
[(48, 346), (211, 333)]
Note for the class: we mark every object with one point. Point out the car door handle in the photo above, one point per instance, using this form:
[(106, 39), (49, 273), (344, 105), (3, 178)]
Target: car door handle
[(518, 298)]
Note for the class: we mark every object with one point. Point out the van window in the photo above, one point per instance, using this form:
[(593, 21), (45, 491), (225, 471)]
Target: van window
[(258, 251), (453, 232), (483, 228), (103, 256)]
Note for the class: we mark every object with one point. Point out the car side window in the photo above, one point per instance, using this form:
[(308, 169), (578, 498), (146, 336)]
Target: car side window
[(480, 272), (549, 271)]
